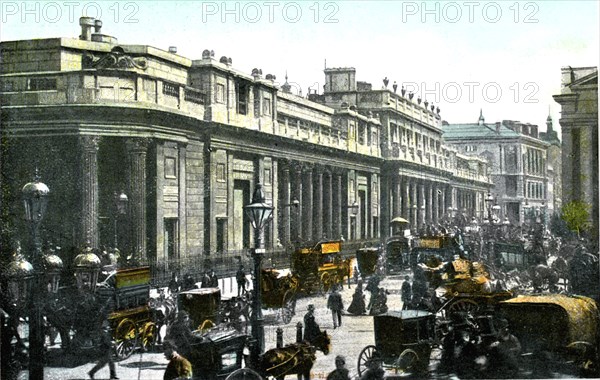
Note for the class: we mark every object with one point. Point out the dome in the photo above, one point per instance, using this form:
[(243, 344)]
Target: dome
[(87, 260), (19, 267), (52, 262)]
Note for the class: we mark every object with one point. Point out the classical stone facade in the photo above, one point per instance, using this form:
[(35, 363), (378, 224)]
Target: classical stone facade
[(518, 162), (188, 140), (579, 125)]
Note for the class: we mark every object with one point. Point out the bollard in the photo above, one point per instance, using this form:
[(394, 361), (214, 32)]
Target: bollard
[(279, 332), (299, 332)]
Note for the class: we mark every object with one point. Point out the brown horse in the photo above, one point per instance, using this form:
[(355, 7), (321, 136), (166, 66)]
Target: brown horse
[(295, 358)]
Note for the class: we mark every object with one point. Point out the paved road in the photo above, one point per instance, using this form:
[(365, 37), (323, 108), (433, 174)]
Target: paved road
[(348, 340)]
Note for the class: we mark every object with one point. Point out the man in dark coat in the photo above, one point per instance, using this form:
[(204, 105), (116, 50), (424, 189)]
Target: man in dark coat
[(311, 328), (340, 372), (406, 293), (336, 305), (178, 367), (240, 277), (214, 280), (105, 353)]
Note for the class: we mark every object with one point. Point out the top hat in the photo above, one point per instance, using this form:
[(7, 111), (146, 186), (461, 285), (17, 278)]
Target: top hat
[(311, 307)]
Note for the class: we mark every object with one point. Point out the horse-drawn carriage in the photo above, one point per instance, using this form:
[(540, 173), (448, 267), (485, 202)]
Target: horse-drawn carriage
[(556, 331), (127, 293), (321, 266), (279, 291), (202, 305), (403, 341)]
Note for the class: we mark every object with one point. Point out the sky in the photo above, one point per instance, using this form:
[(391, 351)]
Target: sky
[(501, 57)]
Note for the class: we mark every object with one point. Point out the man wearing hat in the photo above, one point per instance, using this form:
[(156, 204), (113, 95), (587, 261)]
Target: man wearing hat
[(106, 352), (311, 328), (178, 367), (505, 352), (374, 370)]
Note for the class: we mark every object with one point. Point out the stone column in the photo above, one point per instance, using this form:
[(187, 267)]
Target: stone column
[(328, 204), (586, 167), (337, 205), (90, 201), (137, 149), (414, 205), (436, 203), (307, 227), (297, 218), (406, 206), (318, 199), (286, 204), (396, 191), (429, 204)]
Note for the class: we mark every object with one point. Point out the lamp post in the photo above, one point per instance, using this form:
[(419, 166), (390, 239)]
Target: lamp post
[(121, 202), (489, 200), (35, 200), (259, 214)]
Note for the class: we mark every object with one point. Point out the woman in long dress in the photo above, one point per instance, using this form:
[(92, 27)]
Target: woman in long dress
[(357, 307)]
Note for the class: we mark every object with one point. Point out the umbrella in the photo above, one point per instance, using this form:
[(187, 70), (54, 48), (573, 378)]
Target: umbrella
[(399, 219)]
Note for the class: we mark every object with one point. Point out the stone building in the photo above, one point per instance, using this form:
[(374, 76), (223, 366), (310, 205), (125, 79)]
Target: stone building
[(579, 125), (188, 140), (554, 167), (518, 163)]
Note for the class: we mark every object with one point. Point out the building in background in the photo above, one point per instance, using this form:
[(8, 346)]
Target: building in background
[(188, 140), (518, 163), (554, 155), (579, 125)]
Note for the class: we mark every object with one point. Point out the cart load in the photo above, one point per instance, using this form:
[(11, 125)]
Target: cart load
[(567, 327), (202, 305)]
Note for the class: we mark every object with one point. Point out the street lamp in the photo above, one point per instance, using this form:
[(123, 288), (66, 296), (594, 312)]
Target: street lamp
[(121, 202), (489, 200), (259, 214), (35, 200), (87, 266)]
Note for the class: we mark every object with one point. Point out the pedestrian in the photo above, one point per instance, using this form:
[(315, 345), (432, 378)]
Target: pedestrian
[(340, 372), (355, 274), (174, 284), (188, 282), (240, 277), (357, 306), (406, 293), (214, 280), (180, 332), (205, 280), (311, 327), (105, 352), (379, 305), (178, 367), (336, 305), (505, 353)]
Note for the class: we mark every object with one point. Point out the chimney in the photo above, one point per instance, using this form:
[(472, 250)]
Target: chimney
[(498, 124), (173, 49), (97, 26), (86, 24)]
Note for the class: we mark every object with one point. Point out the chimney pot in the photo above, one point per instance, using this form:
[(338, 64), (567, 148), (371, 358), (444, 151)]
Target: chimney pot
[(86, 24), (173, 49), (97, 26)]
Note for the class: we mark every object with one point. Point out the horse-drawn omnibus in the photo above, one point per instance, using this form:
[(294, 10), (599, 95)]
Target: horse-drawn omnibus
[(128, 293), (321, 266)]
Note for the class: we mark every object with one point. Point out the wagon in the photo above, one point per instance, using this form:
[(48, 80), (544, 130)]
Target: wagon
[(556, 330), (217, 353), (403, 340), (202, 305), (320, 267), (366, 259), (128, 291), (279, 290), (397, 254)]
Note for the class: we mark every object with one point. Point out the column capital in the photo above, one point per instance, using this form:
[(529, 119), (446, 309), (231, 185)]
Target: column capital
[(138, 144), (89, 142)]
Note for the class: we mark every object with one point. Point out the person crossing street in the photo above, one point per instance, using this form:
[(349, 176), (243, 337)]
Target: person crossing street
[(336, 305)]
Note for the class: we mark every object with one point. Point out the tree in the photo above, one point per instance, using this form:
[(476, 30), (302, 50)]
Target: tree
[(576, 215)]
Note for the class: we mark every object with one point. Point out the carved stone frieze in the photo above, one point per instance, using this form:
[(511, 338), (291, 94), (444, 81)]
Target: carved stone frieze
[(113, 60)]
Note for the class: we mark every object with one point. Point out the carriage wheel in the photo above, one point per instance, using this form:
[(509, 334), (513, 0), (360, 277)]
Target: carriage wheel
[(243, 374), (466, 305), (149, 336), (406, 362), (126, 337), (288, 306), (325, 282), (364, 358)]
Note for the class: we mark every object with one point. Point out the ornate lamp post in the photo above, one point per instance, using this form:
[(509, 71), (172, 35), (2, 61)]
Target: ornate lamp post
[(35, 200), (259, 214), (87, 266), (489, 200), (121, 202)]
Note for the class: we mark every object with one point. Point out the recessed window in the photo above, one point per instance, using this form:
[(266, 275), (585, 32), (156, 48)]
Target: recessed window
[(220, 93), (242, 98), (41, 84), (267, 176), (170, 167), (221, 172), (267, 106)]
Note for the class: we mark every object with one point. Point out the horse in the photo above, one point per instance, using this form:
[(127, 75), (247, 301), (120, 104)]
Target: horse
[(296, 358), (164, 312)]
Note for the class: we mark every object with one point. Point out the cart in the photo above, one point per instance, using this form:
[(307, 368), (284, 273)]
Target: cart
[(397, 254), (556, 330), (217, 353), (403, 340), (128, 291), (320, 267), (202, 305), (366, 259), (279, 290)]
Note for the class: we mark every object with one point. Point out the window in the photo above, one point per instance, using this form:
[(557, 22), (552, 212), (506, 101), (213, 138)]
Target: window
[(220, 172), (41, 84), (394, 132), (361, 133), (242, 98), (267, 179), (170, 248), (220, 93), (267, 106), (170, 167), (470, 148)]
